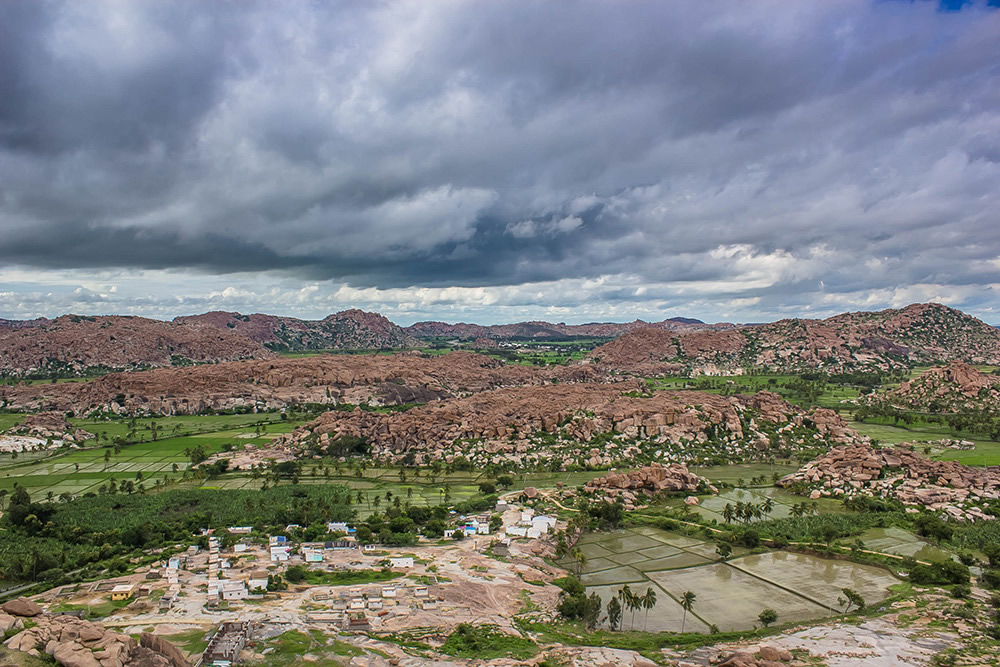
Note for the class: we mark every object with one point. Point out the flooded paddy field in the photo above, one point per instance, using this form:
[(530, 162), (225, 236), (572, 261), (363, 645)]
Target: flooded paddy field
[(729, 595)]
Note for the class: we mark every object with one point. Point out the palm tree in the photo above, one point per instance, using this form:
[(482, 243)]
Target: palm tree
[(727, 512), (687, 603), (768, 506), (648, 602), (626, 595)]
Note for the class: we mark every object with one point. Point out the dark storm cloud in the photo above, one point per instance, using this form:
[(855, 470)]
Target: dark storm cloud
[(772, 149)]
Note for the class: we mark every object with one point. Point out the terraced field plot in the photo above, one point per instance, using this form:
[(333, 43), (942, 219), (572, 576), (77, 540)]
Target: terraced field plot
[(903, 543), (730, 595)]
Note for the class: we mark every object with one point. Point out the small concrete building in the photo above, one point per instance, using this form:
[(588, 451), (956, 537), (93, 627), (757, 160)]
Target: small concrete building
[(401, 561), (122, 592)]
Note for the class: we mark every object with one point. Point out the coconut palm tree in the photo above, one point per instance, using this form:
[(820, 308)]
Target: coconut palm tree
[(727, 512), (648, 602), (687, 603)]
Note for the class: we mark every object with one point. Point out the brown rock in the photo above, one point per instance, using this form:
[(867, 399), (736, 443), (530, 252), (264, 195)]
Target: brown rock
[(21, 607)]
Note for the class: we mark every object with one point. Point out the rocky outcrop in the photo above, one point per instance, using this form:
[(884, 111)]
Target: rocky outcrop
[(73, 642), (75, 344), (375, 379), (51, 425), (525, 423), (347, 330), (920, 333), (650, 480), (903, 475), (956, 387), (21, 607)]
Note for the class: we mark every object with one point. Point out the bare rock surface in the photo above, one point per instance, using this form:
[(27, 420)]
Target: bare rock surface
[(73, 642)]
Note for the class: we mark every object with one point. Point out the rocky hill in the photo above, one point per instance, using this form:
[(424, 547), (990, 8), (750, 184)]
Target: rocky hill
[(917, 334), (956, 387), (901, 474), (74, 344), (586, 425), (548, 330), (346, 330), (400, 378)]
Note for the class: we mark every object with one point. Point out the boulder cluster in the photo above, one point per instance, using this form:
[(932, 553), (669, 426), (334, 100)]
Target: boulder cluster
[(73, 642), (766, 656), (524, 424), (278, 383), (650, 480), (46, 425), (903, 475)]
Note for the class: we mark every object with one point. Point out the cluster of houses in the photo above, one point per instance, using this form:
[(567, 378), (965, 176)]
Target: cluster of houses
[(531, 526)]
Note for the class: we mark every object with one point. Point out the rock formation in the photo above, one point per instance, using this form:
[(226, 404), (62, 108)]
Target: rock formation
[(528, 424), (75, 345), (73, 642), (903, 475), (944, 389), (46, 425), (650, 480), (277, 383), (920, 333), (346, 330)]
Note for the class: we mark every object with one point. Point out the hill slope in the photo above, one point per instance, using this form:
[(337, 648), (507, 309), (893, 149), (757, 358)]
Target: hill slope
[(73, 344), (349, 329), (550, 331), (956, 387), (917, 334)]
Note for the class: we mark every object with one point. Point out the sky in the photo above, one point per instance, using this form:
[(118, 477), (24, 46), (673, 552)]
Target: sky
[(492, 162)]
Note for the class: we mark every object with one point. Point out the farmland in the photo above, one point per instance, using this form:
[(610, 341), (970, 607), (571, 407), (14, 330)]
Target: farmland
[(730, 594)]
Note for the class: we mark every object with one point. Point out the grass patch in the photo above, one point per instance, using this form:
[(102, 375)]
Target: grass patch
[(349, 577), (487, 642)]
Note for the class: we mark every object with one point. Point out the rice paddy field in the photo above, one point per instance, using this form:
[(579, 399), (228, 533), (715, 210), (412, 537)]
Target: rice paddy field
[(729, 595)]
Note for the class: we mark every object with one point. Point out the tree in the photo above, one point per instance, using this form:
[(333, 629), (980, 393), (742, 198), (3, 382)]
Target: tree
[(614, 612), (724, 550), (767, 617), (851, 599), (687, 604), (727, 512), (648, 602)]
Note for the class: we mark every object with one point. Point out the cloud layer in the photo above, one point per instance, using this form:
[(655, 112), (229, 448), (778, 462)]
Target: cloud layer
[(597, 160)]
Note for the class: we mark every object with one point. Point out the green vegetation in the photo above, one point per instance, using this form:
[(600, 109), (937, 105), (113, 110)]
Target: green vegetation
[(298, 574), (487, 642), (47, 541)]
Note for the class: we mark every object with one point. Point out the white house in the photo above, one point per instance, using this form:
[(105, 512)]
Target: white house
[(257, 580), (388, 591), (233, 590), (517, 531), (526, 515), (483, 529), (314, 556), (240, 530), (279, 554), (240, 548), (401, 561), (337, 527)]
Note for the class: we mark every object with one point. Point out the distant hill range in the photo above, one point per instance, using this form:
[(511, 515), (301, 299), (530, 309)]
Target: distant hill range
[(74, 344), (550, 331), (346, 330), (917, 334)]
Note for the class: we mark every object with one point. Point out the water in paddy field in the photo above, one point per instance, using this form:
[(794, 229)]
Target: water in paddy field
[(730, 595)]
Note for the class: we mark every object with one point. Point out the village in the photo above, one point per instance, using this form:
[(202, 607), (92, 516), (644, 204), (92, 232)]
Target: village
[(244, 593)]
